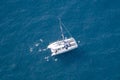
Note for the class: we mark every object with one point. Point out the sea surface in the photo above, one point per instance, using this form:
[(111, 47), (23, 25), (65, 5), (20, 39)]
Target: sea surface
[(28, 26)]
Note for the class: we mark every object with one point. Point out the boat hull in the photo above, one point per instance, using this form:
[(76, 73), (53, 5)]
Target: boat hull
[(62, 46)]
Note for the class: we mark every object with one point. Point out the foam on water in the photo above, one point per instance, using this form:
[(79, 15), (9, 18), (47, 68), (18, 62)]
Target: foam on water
[(46, 58), (31, 49), (40, 50), (56, 59), (78, 42), (37, 44), (41, 40)]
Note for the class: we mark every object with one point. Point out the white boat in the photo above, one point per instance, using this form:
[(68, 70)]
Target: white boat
[(63, 45)]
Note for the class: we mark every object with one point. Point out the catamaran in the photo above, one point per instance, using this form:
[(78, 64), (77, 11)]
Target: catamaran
[(63, 45)]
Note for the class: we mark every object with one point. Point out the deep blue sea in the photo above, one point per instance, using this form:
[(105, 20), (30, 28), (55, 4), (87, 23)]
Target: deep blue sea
[(28, 26)]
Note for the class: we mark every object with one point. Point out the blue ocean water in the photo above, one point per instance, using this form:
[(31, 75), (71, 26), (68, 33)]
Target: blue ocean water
[(28, 26)]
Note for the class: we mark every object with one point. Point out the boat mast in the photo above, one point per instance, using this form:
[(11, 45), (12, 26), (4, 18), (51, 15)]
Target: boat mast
[(63, 37)]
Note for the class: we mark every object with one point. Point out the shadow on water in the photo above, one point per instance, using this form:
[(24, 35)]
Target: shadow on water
[(71, 57)]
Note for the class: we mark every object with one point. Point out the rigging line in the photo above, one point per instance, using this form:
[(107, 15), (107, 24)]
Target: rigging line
[(66, 29), (61, 29)]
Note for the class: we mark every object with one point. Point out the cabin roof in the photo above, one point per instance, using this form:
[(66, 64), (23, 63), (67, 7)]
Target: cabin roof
[(59, 44), (56, 45)]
